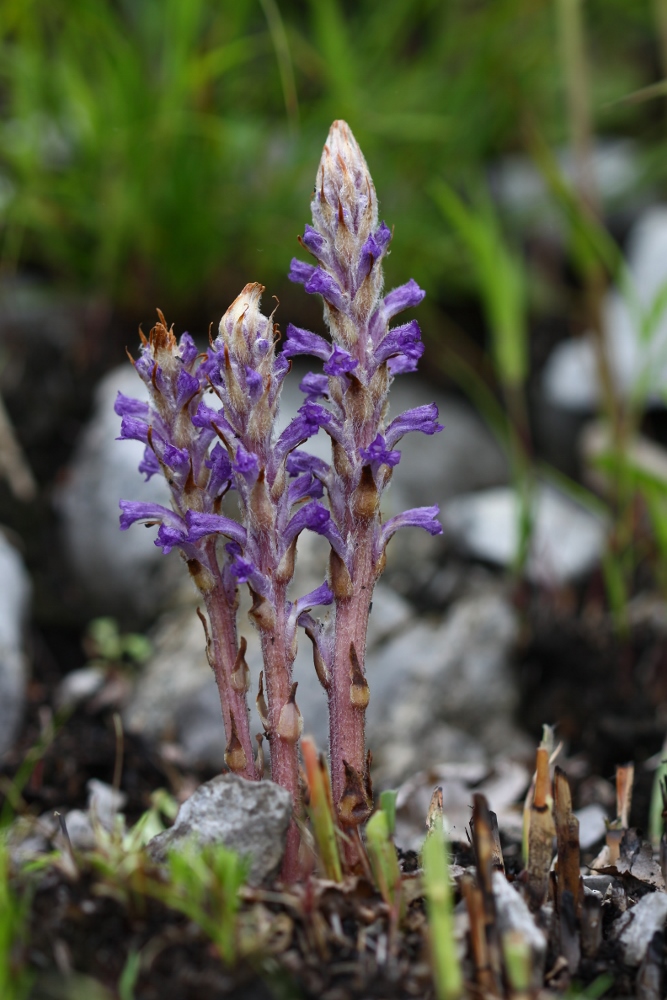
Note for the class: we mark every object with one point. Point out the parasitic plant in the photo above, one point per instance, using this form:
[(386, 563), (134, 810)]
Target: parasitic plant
[(206, 447), (359, 365)]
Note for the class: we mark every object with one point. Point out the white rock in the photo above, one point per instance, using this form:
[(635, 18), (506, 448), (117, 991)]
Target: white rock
[(567, 541), (250, 817), (120, 570), (634, 929), (636, 355), (15, 593), (592, 825), (514, 915), (79, 685)]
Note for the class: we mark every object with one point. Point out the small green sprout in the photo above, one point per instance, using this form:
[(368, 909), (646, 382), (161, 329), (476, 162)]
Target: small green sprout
[(384, 862), (321, 810), (439, 907)]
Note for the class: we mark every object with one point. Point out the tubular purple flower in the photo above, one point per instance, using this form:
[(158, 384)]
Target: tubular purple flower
[(378, 453), (127, 406), (199, 525), (417, 517), (304, 342), (314, 387), (421, 418), (340, 363)]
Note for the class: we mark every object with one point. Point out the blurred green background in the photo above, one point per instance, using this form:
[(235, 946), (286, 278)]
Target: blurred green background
[(163, 151)]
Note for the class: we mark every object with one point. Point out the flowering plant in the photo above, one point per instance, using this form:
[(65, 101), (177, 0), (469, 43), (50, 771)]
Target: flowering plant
[(205, 450)]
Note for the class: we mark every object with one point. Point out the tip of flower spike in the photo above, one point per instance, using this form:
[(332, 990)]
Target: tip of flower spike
[(344, 182)]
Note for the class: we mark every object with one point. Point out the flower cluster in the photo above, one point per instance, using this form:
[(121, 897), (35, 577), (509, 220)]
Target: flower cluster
[(210, 429)]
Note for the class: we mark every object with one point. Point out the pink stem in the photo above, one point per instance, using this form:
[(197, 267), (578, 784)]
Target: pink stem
[(222, 651), (278, 661), (347, 742)]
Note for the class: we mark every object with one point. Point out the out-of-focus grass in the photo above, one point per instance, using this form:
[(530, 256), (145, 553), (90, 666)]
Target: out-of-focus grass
[(157, 149)]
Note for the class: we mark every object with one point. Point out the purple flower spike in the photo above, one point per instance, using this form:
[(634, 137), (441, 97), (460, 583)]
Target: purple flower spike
[(421, 418), (378, 453), (304, 342), (340, 363)]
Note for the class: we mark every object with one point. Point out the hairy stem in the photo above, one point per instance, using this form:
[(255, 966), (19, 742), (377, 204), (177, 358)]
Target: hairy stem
[(222, 651), (348, 690), (278, 659)]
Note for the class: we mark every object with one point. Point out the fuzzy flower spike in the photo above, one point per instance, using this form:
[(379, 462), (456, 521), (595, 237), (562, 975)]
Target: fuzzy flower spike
[(364, 355), (247, 375), (198, 479)]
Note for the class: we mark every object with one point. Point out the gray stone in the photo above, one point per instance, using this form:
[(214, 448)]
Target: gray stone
[(249, 817), (15, 593), (78, 686), (120, 571), (567, 541), (514, 916), (455, 671), (634, 929), (635, 356)]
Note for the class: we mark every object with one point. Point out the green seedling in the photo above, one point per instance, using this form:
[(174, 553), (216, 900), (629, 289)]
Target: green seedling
[(106, 644), (14, 913), (321, 810), (388, 807), (440, 909), (658, 807), (518, 964), (384, 861)]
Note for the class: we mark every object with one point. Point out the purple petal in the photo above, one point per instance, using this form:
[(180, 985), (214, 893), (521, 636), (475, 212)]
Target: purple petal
[(132, 511), (301, 461), (417, 517), (307, 422), (254, 382), (322, 283), (133, 429), (187, 349), (126, 406), (404, 364), (373, 249), (187, 386), (321, 595), (305, 486), (313, 516), (149, 463), (304, 342), (377, 452), (314, 386), (317, 518), (421, 418), (401, 340), (246, 464), (221, 470), (199, 524), (313, 241), (299, 272), (340, 363), (176, 458), (404, 297), (168, 537)]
